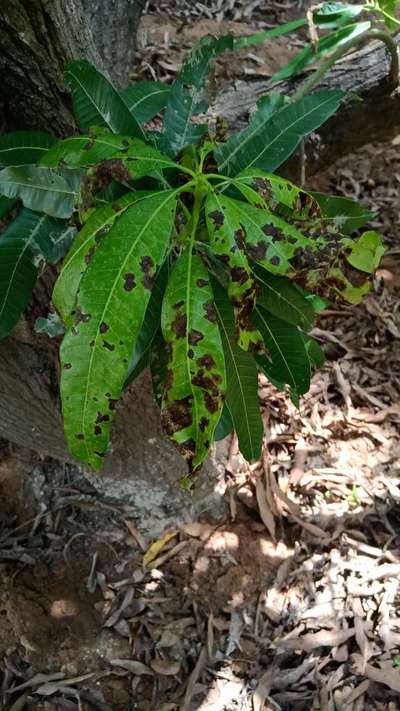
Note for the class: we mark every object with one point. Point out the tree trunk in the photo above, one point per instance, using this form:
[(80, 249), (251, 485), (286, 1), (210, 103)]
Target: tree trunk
[(37, 39), (113, 24)]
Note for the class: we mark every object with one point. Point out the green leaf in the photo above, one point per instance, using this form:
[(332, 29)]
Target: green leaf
[(367, 252), (242, 381), (96, 102), (310, 55), (150, 326), (83, 249), (314, 351), (224, 426), (6, 205), (185, 100), (259, 37), (146, 99), (347, 215), (289, 362), (195, 387), (25, 239), (41, 189), (111, 304), (389, 7), (269, 140), (24, 147), (225, 232), (281, 298)]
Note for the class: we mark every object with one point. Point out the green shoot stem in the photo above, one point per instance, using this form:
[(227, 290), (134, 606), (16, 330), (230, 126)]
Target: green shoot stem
[(387, 39)]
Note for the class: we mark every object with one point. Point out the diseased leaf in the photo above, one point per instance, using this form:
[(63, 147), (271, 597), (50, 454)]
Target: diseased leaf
[(241, 381), (24, 147), (146, 99), (225, 234), (276, 194), (269, 140), (97, 102), (195, 386), (347, 215), (41, 189), (27, 238), (116, 157), (281, 298), (82, 251), (150, 326), (185, 99), (289, 362), (109, 312)]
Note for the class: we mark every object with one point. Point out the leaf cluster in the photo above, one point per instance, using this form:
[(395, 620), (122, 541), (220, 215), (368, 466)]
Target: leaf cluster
[(185, 253)]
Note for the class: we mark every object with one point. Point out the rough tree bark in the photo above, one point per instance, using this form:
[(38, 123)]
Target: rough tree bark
[(35, 40), (113, 24), (38, 37)]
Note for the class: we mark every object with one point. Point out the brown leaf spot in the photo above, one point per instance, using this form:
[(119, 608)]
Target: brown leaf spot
[(97, 430), (194, 337), (206, 361), (240, 238), (177, 416), (108, 346), (190, 353), (203, 424), (210, 312), (202, 282), (103, 328), (239, 275), (80, 436), (80, 316), (217, 217), (112, 403), (178, 304), (67, 366), (179, 325), (211, 403), (102, 418), (257, 251), (274, 232), (129, 281), (275, 260)]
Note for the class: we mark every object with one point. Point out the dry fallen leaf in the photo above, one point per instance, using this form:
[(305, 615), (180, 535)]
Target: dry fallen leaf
[(157, 546), (165, 667)]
